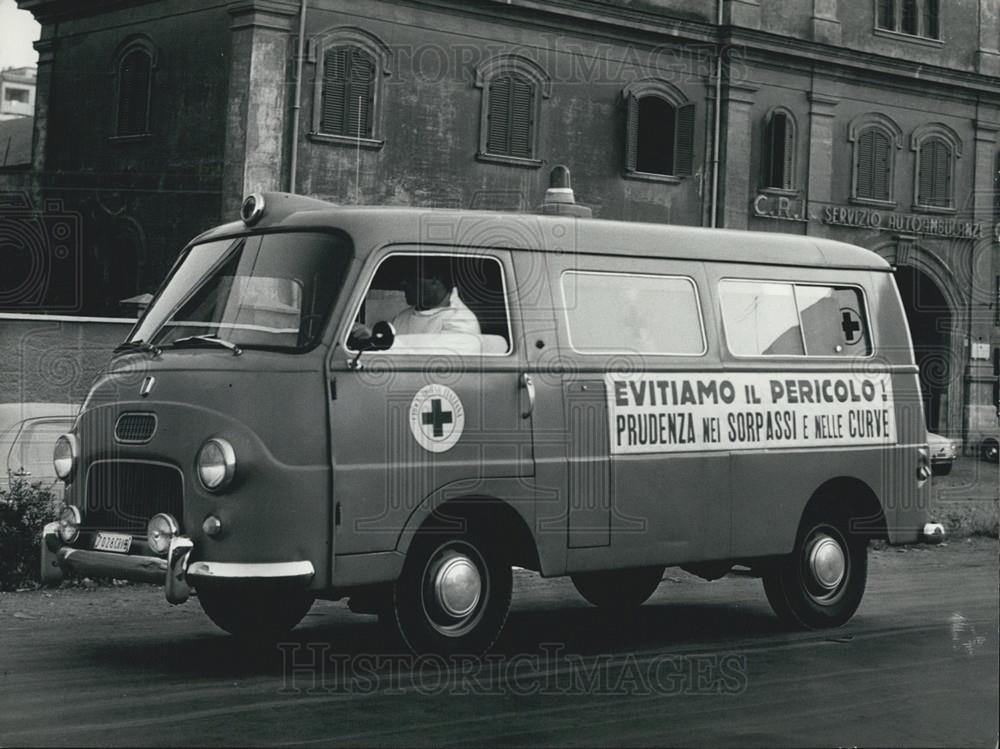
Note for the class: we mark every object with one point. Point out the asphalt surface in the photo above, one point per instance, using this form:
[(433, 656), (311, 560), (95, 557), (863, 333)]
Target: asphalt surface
[(701, 663)]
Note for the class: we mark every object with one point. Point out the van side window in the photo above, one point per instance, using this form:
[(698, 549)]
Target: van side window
[(761, 318), (833, 321), (765, 318), (631, 313), (448, 304)]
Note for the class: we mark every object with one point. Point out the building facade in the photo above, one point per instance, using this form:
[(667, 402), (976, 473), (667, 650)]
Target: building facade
[(871, 121)]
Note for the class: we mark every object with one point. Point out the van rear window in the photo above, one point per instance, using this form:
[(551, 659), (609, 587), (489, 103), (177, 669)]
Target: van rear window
[(767, 318), (632, 313)]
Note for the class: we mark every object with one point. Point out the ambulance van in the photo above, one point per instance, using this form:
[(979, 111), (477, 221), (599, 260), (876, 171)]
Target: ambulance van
[(296, 416)]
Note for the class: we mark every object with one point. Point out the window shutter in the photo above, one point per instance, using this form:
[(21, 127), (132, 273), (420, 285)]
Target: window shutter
[(521, 117), (632, 133), (908, 22), (335, 90), (887, 14), (931, 26), (935, 187), (361, 90), (882, 168), (498, 130), (684, 153), (864, 167), (788, 153), (133, 93)]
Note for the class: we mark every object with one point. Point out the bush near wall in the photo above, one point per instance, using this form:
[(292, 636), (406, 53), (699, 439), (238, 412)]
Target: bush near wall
[(25, 508)]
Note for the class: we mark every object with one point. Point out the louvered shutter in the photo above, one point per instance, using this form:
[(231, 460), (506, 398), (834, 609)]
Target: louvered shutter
[(521, 117), (908, 21), (133, 94), (864, 167), (882, 167), (934, 177), (930, 19), (887, 14), (498, 129), (684, 136), (335, 89), (632, 133), (788, 155), (361, 93)]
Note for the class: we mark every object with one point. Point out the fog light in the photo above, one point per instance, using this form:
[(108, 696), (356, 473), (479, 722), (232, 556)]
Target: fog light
[(160, 532), (64, 457), (69, 524), (216, 464), (212, 526)]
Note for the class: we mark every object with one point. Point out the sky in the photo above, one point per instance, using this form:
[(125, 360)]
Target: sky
[(17, 32)]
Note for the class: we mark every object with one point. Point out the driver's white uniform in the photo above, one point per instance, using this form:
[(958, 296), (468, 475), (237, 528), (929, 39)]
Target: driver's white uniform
[(452, 317)]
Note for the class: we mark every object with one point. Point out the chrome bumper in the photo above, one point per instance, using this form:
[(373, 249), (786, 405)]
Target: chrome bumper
[(175, 571), (933, 533)]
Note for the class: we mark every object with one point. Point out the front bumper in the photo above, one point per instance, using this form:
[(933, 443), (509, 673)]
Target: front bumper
[(175, 571)]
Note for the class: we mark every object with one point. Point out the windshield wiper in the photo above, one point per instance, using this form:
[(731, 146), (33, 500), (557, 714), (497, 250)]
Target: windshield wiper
[(140, 346), (208, 339)]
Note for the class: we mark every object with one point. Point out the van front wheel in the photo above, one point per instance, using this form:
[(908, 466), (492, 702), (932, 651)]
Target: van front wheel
[(821, 583), (454, 593), (254, 615), (618, 589)]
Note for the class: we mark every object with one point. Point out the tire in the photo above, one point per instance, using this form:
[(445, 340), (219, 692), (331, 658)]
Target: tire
[(454, 593), (821, 583), (618, 589), (259, 616), (990, 450)]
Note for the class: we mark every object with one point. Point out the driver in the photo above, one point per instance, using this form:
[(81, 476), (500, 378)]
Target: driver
[(434, 304)]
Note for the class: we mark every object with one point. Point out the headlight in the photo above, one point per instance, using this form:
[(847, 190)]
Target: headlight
[(216, 464), (69, 524), (64, 457), (160, 532)]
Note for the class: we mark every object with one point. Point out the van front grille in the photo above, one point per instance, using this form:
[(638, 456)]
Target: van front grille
[(135, 428), (124, 495)]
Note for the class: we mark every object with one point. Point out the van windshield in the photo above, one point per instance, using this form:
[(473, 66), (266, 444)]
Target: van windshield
[(269, 292)]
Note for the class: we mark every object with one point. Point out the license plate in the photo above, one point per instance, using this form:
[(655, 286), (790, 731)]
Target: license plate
[(118, 542)]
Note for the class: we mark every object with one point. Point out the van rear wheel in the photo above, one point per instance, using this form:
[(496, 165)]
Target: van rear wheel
[(454, 593), (254, 615), (821, 583), (618, 589)]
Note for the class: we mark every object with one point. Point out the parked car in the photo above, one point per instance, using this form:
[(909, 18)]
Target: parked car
[(26, 448), (943, 453)]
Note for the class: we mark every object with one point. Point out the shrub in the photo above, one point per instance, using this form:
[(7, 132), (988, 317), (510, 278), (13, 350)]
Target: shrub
[(24, 509)]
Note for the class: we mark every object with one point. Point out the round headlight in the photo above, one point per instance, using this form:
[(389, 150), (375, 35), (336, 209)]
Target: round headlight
[(69, 524), (64, 457), (216, 464), (160, 532)]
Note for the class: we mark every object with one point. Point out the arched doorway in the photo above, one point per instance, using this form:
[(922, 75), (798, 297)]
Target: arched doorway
[(931, 325)]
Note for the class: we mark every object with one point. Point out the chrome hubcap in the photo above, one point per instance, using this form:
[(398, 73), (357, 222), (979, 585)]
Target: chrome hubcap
[(827, 562), (457, 585)]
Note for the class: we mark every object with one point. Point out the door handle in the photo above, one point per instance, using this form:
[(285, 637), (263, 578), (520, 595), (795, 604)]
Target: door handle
[(528, 384)]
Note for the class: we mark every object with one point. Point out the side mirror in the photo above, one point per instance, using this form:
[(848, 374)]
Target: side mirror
[(383, 336)]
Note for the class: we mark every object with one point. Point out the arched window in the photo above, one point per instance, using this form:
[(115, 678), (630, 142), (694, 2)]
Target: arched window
[(134, 82), (659, 131), (875, 138), (347, 96), (513, 89), (779, 150), (348, 92), (937, 146)]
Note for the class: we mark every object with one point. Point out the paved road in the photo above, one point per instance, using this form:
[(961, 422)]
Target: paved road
[(701, 664)]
